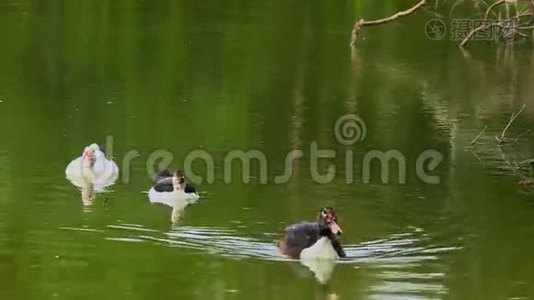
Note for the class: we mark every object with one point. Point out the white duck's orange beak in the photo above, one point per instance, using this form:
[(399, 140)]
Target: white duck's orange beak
[(335, 228)]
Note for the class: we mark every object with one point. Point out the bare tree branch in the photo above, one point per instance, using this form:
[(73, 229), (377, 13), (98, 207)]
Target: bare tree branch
[(512, 118), (484, 24), (362, 23), (514, 169), (478, 136)]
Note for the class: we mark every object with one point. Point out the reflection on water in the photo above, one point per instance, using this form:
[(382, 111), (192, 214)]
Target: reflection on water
[(404, 264), (189, 75), (177, 200), (322, 269), (4, 191)]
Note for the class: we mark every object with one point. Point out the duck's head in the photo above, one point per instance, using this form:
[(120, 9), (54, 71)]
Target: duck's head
[(178, 179), (88, 154), (327, 220), (94, 147)]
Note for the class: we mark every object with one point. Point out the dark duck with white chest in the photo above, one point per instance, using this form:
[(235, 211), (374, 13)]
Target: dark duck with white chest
[(166, 181), (173, 190), (314, 240)]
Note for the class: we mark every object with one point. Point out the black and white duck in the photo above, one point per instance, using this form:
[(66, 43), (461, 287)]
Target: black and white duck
[(172, 189), (314, 240)]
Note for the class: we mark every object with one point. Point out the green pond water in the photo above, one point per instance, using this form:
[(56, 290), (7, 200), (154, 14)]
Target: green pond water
[(159, 77)]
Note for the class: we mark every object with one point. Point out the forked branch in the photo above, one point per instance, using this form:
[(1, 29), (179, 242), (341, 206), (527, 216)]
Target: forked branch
[(484, 24), (362, 23), (512, 118)]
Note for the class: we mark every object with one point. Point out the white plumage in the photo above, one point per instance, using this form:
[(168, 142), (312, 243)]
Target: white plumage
[(322, 249), (176, 199), (92, 172), (100, 174)]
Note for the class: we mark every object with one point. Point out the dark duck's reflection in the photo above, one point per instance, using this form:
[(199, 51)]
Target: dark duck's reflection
[(173, 190)]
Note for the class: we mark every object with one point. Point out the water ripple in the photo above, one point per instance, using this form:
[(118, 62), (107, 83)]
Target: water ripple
[(406, 265), (406, 248)]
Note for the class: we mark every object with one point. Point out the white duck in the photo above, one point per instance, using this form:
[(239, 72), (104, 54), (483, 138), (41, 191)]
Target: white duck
[(92, 172), (172, 190)]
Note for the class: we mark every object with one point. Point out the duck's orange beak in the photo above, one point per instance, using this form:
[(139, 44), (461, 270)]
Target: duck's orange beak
[(335, 228)]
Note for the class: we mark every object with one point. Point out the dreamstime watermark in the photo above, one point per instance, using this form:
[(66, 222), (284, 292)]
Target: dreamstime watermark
[(459, 29), (348, 131)]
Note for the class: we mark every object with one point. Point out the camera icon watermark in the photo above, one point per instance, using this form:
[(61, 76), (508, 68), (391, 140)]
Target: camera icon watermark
[(476, 29), (435, 29)]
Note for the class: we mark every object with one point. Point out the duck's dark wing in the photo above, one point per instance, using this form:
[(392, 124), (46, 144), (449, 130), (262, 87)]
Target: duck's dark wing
[(298, 237), (189, 188), (303, 234), (162, 175), (164, 185)]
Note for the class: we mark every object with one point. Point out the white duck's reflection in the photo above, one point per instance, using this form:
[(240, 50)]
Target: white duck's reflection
[(92, 172), (172, 190)]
